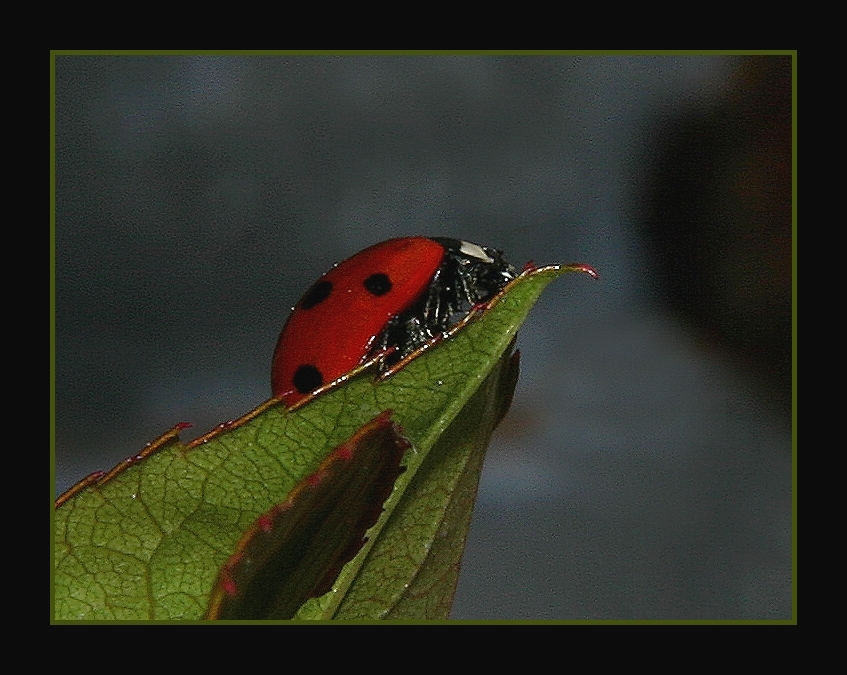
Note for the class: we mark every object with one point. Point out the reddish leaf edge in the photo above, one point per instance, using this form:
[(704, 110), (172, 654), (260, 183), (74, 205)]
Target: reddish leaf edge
[(99, 478)]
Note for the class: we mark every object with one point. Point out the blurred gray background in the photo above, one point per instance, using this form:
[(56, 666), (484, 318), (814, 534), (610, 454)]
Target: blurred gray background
[(644, 471)]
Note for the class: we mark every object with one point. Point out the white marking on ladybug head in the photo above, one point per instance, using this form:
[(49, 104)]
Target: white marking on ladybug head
[(475, 251)]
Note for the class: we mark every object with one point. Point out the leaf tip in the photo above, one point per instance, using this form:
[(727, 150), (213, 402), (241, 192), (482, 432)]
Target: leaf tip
[(582, 267)]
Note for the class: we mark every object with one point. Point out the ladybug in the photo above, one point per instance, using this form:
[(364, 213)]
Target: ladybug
[(391, 298)]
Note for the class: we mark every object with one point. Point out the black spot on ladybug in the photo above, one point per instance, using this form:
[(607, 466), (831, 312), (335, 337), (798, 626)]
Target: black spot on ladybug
[(307, 378), (316, 294), (378, 284)]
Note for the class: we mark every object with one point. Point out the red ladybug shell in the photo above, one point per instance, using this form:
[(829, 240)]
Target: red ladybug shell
[(332, 328)]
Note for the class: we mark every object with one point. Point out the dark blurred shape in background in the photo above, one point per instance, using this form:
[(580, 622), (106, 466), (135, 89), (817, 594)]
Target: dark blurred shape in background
[(718, 221)]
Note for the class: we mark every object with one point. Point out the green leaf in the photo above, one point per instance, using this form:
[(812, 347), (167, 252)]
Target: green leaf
[(150, 539), (295, 551), (430, 524)]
